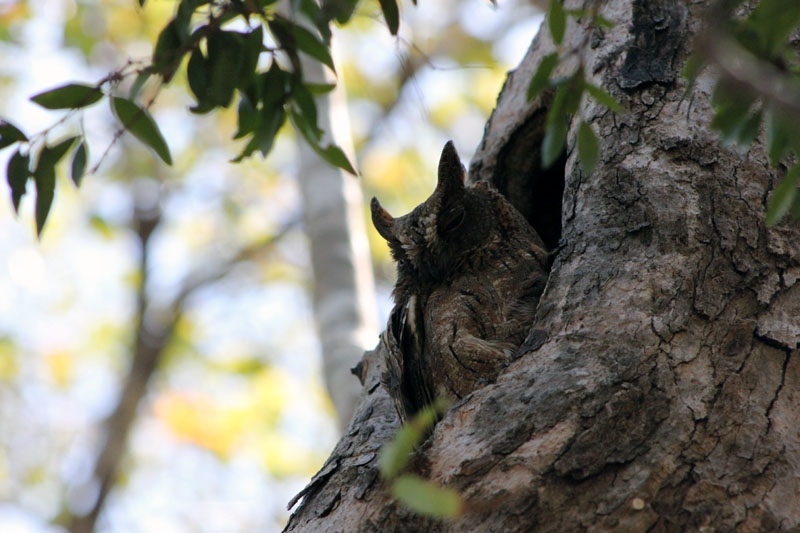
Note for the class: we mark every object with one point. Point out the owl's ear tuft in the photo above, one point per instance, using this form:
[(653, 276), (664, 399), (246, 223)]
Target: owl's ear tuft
[(382, 220), (451, 172)]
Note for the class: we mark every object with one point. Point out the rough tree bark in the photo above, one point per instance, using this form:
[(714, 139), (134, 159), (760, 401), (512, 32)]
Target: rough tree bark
[(660, 389)]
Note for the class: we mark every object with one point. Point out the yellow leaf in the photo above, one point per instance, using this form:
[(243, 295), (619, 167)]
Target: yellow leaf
[(285, 456), (201, 421), (8, 360), (447, 111), (61, 367), (273, 389)]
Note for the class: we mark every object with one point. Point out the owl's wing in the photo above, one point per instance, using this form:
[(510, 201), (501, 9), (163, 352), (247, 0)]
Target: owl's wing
[(417, 386), (406, 376), (392, 375)]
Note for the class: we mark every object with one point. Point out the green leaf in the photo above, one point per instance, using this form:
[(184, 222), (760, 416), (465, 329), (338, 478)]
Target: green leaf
[(542, 75), (225, 58), (281, 30), (319, 16), (774, 21), (748, 129), (139, 82), (186, 9), (794, 211), (69, 96), (169, 49), (555, 140), (51, 155), (272, 90), (252, 46), (573, 93), (275, 86), (45, 179), (555, 136), (270, 121), (588, 148), (320, 88), (426, 498), (391, 14), (602, 97), (308, 43), (9, 134), (336, 157), (198, 75), (139, 122), (779, 136), (17, 174), (731, 124), (312, 134), (732, 111), (341, 10), (78, 166), (784, 196), (692, 68), (395, 454), (556, 21), (307, 110), (44, 175), (248, 117), (557, 107)]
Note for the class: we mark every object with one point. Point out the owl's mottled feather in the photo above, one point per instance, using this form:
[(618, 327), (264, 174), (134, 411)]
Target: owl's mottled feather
[(470, 271)]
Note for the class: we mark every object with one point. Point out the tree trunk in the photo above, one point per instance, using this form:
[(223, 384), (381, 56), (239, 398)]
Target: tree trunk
[(661, 383)]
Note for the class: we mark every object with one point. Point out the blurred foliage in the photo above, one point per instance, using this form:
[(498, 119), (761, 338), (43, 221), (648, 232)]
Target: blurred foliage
[(764, 94), (421, 495), (8, 363), (569, 90), (761, 92)]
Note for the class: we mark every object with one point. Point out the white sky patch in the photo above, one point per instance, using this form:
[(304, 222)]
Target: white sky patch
[(27, 270), (511, 48)]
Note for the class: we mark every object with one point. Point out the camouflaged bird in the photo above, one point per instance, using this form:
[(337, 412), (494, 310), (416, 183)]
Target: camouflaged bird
[(470, 271)]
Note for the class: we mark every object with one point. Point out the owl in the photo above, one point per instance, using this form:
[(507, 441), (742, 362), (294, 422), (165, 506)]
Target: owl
[(470, 271)]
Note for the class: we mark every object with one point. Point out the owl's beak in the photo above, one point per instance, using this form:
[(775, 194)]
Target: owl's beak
[(382, 220)]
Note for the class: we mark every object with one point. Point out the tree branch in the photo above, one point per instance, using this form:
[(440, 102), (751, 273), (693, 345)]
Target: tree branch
[(154, 330)]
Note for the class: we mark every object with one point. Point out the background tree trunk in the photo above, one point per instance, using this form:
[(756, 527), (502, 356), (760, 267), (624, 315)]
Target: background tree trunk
[(344, 290), (661, 385)]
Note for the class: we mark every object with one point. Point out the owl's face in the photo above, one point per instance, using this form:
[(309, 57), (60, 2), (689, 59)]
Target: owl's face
[(430, 243)]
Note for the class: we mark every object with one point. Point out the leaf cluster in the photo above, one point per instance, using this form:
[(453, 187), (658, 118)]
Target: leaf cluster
[(569, 92), (23, 165), (223, 66), (740, 112)]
